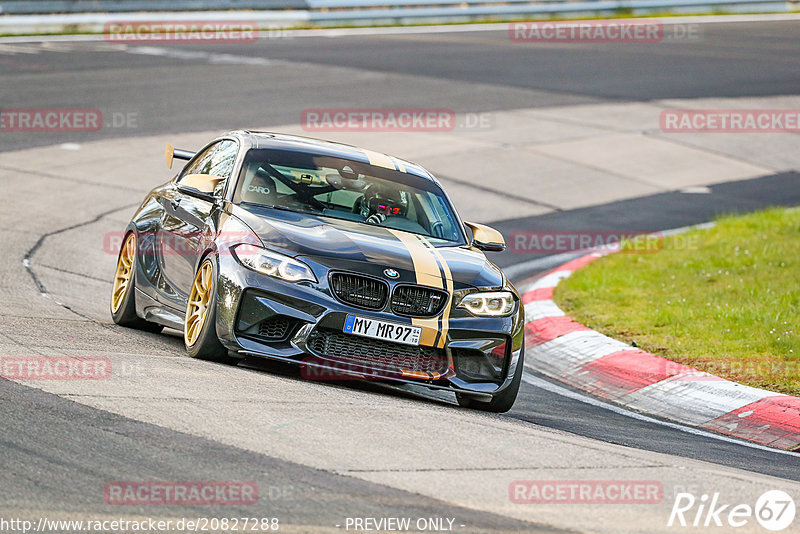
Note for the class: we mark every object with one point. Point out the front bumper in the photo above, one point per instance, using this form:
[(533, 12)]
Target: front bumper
[(302, 323)]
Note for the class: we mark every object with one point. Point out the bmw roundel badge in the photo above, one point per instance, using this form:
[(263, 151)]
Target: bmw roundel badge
[(391, 273)]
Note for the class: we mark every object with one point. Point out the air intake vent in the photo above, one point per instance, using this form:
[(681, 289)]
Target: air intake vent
[(276, 327), (382, 356)]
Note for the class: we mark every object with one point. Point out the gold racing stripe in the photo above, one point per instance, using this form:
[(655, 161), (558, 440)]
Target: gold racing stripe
[(399, 165), (425, 266), (427, 272), (448, 279), (380, 160)]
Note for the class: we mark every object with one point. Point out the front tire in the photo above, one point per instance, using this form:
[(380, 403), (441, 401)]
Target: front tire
[(500, 403), (200, 323), (123, 290)]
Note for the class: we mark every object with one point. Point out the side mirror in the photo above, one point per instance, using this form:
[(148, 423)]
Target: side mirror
[(172, 153), (486, 238), (200, 185)]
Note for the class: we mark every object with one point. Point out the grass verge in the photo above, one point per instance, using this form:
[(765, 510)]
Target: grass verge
[(724, 300)]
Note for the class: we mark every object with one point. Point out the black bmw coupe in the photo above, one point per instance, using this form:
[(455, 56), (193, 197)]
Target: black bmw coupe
[(325, 255)]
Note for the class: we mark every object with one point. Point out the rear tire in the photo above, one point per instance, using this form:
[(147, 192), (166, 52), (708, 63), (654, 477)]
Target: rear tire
[(500, 403), (200, 323), (123, 291)]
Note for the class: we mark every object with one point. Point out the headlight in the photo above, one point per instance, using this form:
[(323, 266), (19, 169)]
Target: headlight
[(491, 304), (273, 264)]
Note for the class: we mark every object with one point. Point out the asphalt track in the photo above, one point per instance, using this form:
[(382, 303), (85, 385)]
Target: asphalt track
[(240, 84), (50, 442)]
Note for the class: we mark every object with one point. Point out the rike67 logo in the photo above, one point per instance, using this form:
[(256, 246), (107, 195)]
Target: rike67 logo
[(774, 510)]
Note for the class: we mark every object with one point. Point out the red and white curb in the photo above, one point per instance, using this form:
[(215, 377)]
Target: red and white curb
[(568, 351)]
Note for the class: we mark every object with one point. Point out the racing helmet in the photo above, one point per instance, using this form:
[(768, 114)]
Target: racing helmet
[(384, 201)]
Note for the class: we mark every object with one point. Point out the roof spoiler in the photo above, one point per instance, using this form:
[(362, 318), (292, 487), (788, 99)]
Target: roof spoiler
[(177, 153)]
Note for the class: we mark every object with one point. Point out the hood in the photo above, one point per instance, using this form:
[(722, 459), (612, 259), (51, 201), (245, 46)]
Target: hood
[(349, 245)]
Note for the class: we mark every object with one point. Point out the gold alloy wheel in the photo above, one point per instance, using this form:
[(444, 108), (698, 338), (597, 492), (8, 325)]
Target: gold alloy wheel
[(197, 310), (122, 279)]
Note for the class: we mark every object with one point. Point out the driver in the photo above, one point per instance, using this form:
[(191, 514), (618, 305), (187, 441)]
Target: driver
[(378, 204)]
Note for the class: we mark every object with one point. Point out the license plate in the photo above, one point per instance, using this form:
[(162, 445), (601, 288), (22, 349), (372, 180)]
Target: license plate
[(396, 332)]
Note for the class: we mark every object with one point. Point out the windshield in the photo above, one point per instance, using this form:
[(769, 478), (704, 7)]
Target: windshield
[(348, 190)]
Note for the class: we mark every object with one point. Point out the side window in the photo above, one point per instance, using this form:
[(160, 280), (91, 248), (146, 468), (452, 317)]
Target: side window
[(218, 159), (283, 189), (438, 215)]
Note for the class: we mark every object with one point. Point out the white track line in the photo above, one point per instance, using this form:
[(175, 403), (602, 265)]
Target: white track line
[(592, 401)]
